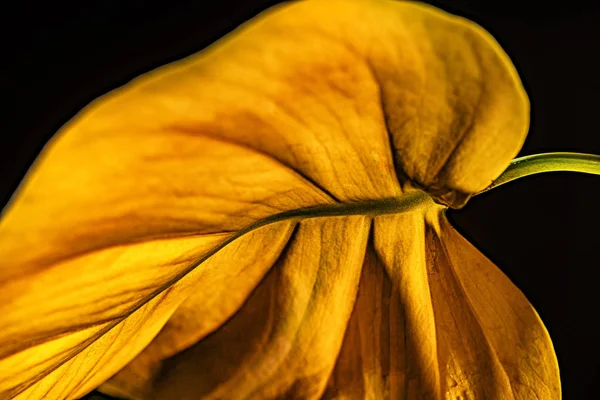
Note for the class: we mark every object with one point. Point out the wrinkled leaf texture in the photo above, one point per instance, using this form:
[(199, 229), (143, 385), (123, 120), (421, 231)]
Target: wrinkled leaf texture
[(146, 250)]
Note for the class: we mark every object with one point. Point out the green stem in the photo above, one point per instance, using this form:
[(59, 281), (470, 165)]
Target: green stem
[(548, 162)]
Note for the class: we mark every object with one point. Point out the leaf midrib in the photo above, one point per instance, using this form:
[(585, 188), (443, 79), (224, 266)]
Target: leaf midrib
[(407, 202), (396, 205)]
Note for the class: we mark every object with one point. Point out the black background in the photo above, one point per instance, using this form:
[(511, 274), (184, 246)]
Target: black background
[(541, 231)]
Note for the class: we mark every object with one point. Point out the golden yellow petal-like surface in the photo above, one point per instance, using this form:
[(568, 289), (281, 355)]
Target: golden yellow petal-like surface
[(165, 235), (434, 318), (226, 281), (284, 341)]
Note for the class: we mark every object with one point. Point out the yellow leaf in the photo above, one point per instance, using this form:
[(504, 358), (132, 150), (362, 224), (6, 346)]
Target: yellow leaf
[(215, 228)]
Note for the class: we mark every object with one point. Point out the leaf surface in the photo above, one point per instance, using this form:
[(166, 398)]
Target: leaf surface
[(229, 201)]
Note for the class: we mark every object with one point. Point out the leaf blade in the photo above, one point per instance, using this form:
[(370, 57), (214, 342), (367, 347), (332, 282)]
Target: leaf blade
[(389, 96)]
